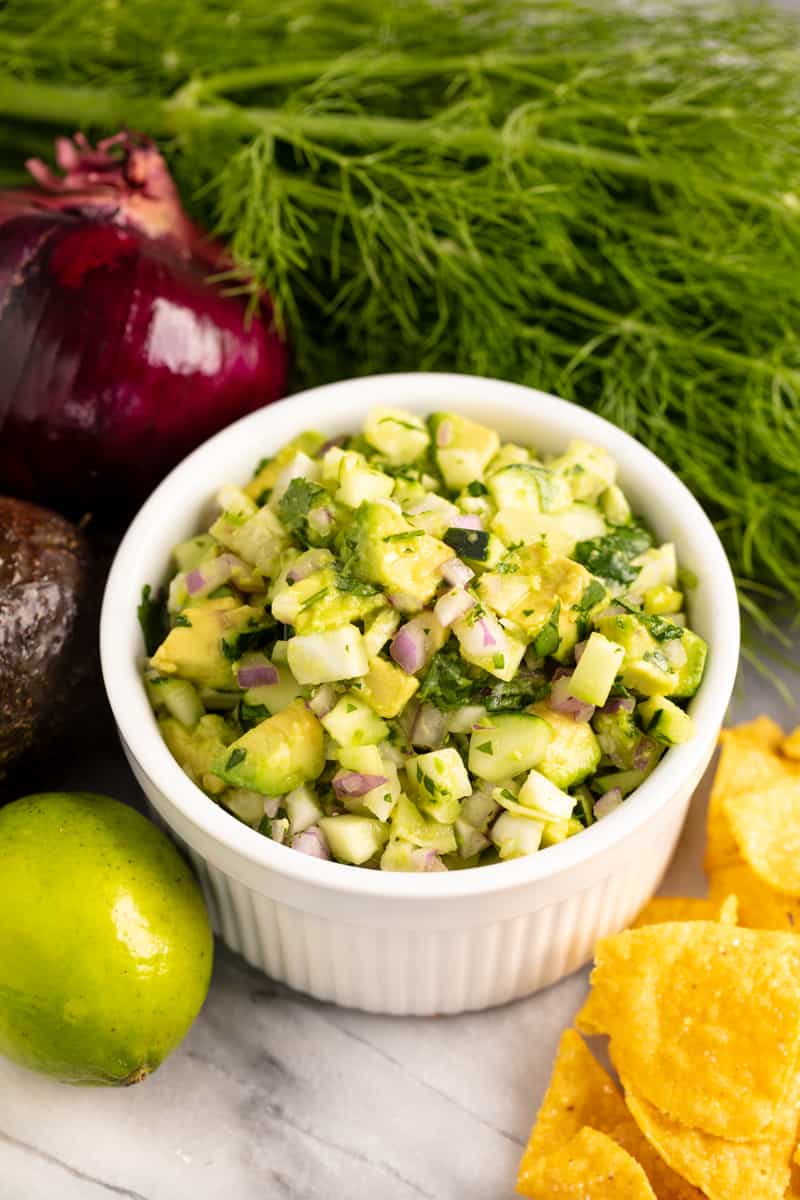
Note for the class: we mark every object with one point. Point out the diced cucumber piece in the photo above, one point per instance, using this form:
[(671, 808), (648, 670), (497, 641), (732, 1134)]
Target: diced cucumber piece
[(181, 700), (690, 675), (626, 781), (351, 722), (615, 506), (358, 482), (529, 486), (410, 825), (299, 466), (439, 780), (260, 540), (195, 550), (233, 500), (665, 721), (462, 720), (558, 831), (378, 628), (573, 751), (506, 744), (589, 470), (400, 436), (404, 856), (328, 657), (662, 600), (354, 839), (463, 448), (593, 677), (516, 836), (545, 799), (560, 531), (302, 808), (275, 696), (470, 840), (479, 810), (657, 568), (246, 805)]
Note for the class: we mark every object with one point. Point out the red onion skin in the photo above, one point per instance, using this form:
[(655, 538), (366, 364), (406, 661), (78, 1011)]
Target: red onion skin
[(118, 357)]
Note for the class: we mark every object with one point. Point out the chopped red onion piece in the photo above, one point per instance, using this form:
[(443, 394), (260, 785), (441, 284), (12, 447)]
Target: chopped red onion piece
[(427, 860), (488, 637), (467, 521), (456, 573), (312, 561), (429, 728), (355, 783), (272, 806), (202, 580), (453, 605), (444, 434), (311, 841), (408, 648), (320, 519), (607, 803), (339, 440), (561, 701), (643, 755), (618, 704), (257, 675)]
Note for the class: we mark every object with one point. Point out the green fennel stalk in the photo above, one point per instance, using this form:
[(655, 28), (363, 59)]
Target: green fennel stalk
[(599, 199)]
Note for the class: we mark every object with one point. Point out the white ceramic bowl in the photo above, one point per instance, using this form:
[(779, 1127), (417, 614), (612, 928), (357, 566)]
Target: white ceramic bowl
[(409, 943)]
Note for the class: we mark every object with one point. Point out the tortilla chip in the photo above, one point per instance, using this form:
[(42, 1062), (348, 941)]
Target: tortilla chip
[(581, 1093), (746, 751), (590, 1166), (766, 826), (759, 906), (791, 744), (724, 1170), (705, 1018), (686, 908)]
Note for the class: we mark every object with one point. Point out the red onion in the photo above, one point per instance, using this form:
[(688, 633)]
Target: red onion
[(486, 634), (272, 805), (561, 701), (643, 755), (429, 728), (453, 605), (307, 564), (416, 642), (607, 803), (426, 860), (674, 652), (466, 521), (444, 434), (311, 841), (618, 704), (257, 675), (456, 573), (202, 580), (118, 356), (355, 783)]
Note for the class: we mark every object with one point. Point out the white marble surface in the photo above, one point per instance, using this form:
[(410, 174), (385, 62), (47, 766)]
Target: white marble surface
[(276, 1097)]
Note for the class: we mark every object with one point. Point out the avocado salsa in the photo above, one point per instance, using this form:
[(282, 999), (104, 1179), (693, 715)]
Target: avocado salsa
[(419, 648)]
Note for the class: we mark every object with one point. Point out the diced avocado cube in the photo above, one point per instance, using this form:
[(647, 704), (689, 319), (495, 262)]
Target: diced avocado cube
[(389, 551), (593, 677), (618, 735), (277, 755), (432, 513), (463, 448), (645, 669), (665, 721), (408, 824), (193, 649), (354, 839), (690, 675), (438, 781), (275, 697), (536, 588), (560, 531), (506, 744), (529, 486), (545, 800), (351, 722), (614, 504), (516, 836), (268, 473), (589, 470), (470, 840), (573, 751), (327, 657), (198, 749), (399, 436), (662, 599), (386, 688)]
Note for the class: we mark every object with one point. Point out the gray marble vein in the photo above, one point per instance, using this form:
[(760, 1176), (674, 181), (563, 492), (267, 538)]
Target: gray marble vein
[(275, 1096)]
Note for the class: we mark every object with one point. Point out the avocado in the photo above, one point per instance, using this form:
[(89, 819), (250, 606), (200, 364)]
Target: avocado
[(277, 755), (198, 749), (193, 649), (386, 689), (386, 549), (573, 751), (463, 448), (618, 735), (644, 668), (49, 669)]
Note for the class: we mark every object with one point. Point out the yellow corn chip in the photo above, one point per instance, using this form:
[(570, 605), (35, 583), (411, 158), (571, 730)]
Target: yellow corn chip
[(759, 906), (724, 1170), (686, 908), (749, 753), (590, 1166), (791, 744), (705, 1017), (766, 826), (581, 1093)]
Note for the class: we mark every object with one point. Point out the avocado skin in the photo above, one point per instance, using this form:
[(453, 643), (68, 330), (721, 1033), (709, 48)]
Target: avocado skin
[(48, 607)]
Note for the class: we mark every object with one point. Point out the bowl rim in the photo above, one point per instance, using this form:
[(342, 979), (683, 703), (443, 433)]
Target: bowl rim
[(136, 725)]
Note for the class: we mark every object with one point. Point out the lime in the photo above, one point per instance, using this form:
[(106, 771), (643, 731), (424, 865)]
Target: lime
[(105, 945)]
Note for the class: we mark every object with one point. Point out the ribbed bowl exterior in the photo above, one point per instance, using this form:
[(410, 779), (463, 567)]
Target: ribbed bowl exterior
[(445, 964)]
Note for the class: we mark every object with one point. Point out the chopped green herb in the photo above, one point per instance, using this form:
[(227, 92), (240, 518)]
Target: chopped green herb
[(252, 714), (246, 640), (313, 599), (593, 594), (547, 640), (294, 506), (476, 488), (235, 757), (405, 536), (611, 556), (153, 619), (181, 621), (498, 661), (486, 748)]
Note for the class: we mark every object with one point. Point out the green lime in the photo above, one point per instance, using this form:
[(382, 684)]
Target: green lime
[(105, 945)]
